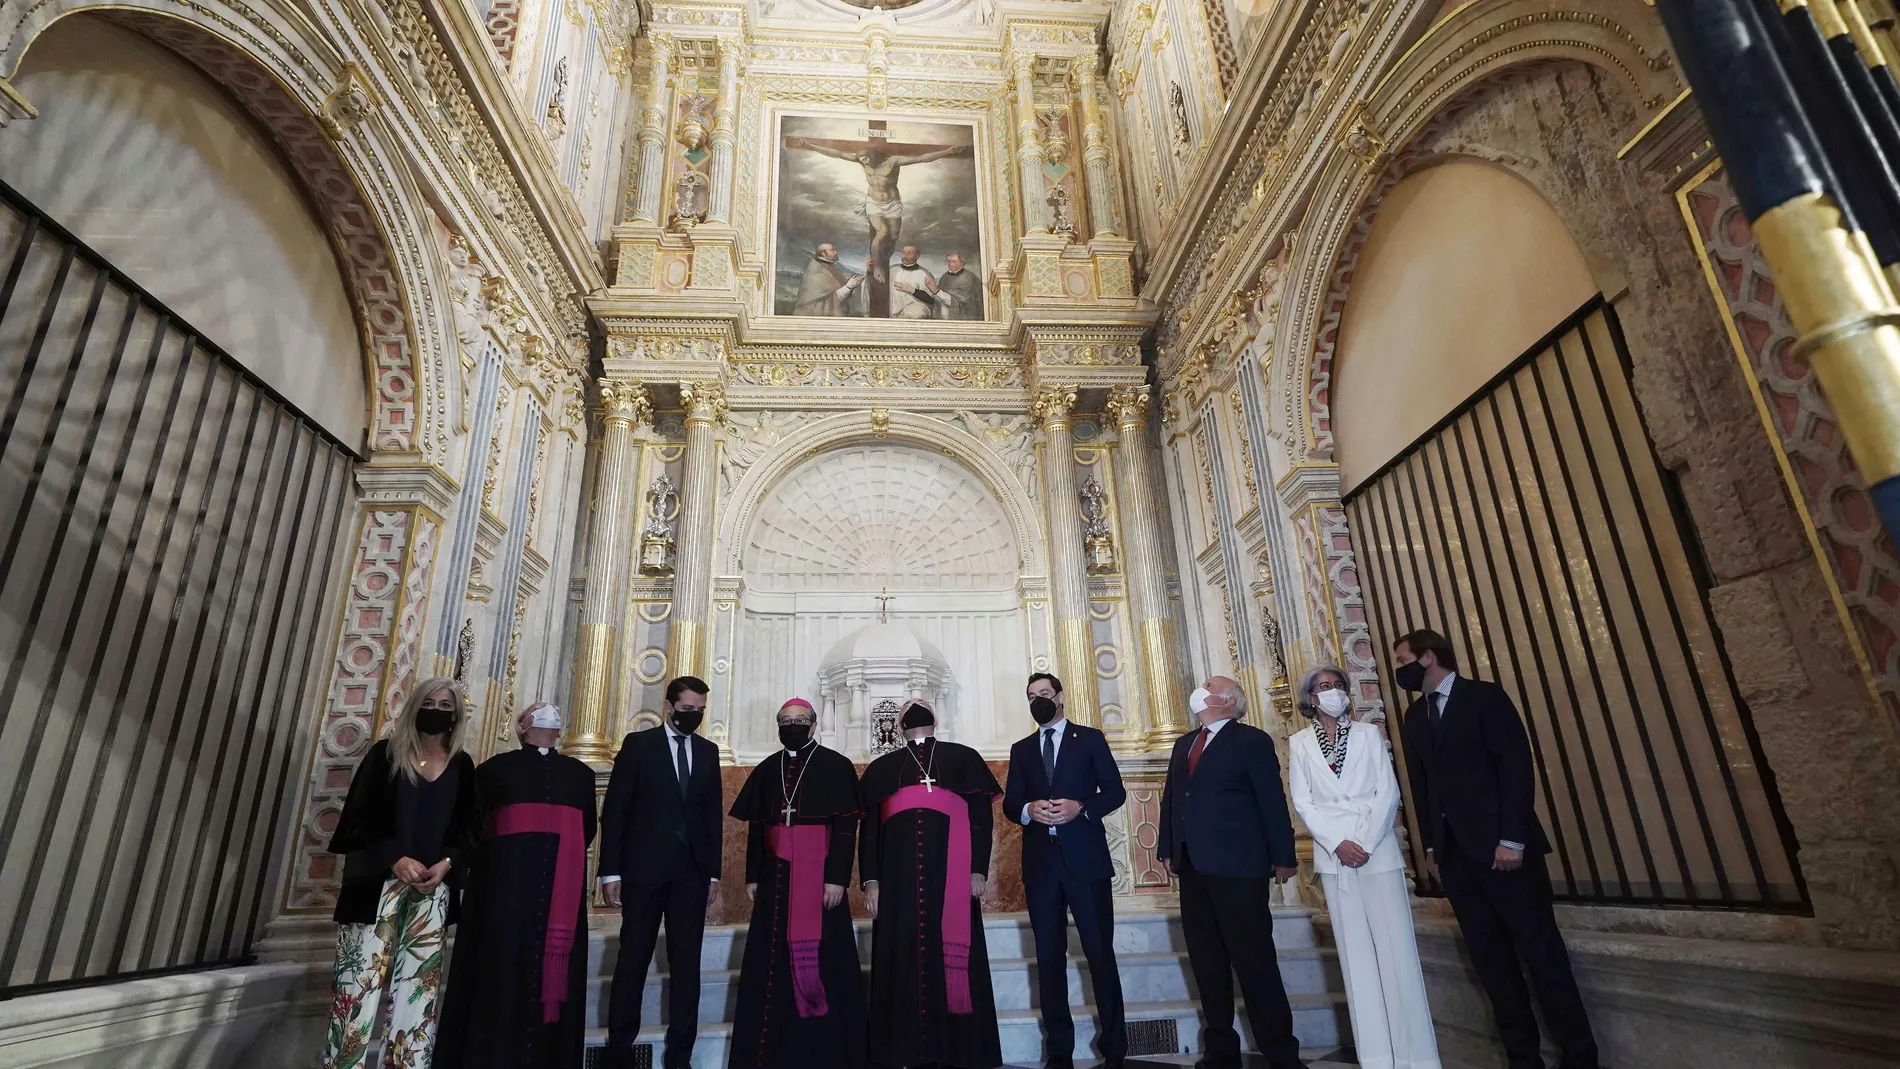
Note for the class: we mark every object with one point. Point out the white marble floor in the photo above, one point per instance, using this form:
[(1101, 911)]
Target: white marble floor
[(1315, 1059)]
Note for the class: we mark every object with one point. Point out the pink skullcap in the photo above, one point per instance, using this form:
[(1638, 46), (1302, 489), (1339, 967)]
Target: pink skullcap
[(789, 702)]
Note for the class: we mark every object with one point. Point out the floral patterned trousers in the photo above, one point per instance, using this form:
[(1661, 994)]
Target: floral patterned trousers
[(400, 954)]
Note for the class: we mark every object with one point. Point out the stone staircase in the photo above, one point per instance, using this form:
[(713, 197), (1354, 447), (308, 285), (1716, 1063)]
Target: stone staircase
[(1156, 984)]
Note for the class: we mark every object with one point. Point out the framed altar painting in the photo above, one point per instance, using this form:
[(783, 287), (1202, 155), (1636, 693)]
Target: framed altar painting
[(877, 218)]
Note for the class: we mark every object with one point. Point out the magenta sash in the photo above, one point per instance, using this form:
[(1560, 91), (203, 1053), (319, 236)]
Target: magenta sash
[(956, 885), (805, 846), (570, 872)]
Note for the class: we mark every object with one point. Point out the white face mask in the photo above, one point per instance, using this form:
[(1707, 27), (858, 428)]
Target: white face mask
[(1334, 702), (1197, 701)]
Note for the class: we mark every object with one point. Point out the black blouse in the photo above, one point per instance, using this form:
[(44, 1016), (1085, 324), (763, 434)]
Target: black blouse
[(387, 817)]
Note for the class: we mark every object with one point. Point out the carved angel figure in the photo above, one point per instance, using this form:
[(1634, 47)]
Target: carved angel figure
[(663, 507), (1094, 509)]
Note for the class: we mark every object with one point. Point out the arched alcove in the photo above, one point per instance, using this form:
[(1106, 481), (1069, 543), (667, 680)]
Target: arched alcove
[(142, 157), (1466, 267), (869, 538)]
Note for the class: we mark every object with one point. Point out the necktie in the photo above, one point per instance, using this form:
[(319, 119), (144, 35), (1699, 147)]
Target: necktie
[(679, 758), (1194, 755), (1438, 705), (1049, 757)]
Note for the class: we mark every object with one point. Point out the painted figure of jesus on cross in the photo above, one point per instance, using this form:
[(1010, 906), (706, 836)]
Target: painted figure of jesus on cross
[(881, 207)]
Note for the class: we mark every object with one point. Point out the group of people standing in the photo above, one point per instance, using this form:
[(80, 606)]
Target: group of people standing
[(422, 823)]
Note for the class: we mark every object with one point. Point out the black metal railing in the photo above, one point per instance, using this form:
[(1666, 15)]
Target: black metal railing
[(1535, 527), (170, 530)]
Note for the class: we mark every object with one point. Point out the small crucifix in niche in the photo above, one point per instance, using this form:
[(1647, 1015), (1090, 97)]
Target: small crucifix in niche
[(884, 606)]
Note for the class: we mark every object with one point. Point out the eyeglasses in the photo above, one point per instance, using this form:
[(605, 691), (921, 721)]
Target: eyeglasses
[(1328, 684)]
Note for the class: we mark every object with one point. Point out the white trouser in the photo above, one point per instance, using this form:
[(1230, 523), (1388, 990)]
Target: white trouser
[(1378, 952)]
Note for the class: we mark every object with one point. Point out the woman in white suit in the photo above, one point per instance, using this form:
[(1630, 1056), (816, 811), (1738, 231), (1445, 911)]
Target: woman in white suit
[(1346, 792)]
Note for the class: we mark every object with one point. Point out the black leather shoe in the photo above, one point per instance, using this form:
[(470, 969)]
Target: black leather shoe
[(1058, 1063)]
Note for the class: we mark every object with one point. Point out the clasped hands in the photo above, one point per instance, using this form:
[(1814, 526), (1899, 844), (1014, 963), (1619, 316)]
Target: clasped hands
[(421, 878), (834, 893), (978, 884), (1054, 811)]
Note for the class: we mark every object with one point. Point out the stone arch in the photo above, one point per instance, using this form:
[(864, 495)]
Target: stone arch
[(1442, 72), (279, 71), (848, 429)]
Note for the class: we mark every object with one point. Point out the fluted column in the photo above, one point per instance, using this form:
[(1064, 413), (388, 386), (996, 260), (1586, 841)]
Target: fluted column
[(653, 124), (692, 569), (1068, 571), (623, 407), (1103, 218), (1029, 145), (1143, 566), (723, 136)]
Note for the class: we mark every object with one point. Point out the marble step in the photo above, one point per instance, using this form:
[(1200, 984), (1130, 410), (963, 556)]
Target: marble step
[(1156, 976), (1319, 1020), (1007, 935)]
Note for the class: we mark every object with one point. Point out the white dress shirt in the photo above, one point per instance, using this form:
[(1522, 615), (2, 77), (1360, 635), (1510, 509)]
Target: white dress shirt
[(1060, 725), (1443, 690), (673, 761)]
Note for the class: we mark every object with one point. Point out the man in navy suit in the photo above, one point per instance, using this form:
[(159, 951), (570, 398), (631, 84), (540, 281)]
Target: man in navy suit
[(1474, 787), (1062, 782), (1226, 833), (660, 854)]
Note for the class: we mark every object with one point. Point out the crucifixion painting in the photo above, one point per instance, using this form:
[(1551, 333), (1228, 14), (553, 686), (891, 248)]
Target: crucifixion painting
[(877, 218)]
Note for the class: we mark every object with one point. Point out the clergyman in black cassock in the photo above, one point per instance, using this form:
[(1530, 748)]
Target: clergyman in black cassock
[(517, 984), (801, 992), (927, 817)]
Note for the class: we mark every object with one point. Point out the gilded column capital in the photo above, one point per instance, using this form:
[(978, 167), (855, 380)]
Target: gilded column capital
[(624, 403), (1054, 405), (705, 402), (1129, 406)]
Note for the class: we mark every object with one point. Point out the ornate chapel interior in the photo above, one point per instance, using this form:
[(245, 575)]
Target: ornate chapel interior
[(349, 343)]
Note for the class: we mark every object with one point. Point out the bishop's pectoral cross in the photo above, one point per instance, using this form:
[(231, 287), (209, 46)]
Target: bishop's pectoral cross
[(788, 811), (929, 784), (882, 208)]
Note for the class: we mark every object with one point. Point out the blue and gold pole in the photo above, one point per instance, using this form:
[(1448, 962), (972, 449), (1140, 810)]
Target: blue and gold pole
[(1830, 281)]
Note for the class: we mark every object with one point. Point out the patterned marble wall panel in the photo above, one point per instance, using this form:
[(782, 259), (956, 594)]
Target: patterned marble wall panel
[(1828, 487), (1148, 876)]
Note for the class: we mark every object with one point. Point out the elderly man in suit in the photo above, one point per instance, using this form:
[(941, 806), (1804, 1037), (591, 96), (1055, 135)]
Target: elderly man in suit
[(1062, 782), (1226, 833), (1473, 782)]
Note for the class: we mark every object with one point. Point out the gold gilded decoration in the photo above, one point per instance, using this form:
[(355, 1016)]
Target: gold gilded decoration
[(349, 103), (880, 423), (1054, 405), (1361, 141), (625, 403), (705, 402), (1844, 308), (1128, 405)]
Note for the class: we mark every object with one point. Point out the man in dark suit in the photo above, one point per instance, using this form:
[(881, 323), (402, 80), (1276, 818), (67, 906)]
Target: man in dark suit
[(660, 853), (1062, 782), (1226, 833), (1472, 784)]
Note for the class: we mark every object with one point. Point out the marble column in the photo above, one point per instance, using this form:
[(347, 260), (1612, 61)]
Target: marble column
[(1103, 218), (1054, 408), (1144, 567), (1029, 146), (623, 407), (653, 127), (725, 118), (705, 405)]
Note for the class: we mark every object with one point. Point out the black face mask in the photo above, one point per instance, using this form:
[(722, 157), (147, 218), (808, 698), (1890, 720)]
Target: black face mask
[(435, 721), (685, 720), (1044, 709), (1410, 676), (794, 736), (917, 716)]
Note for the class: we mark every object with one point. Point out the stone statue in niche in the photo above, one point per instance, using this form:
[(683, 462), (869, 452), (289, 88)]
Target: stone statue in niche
[(1177, 109), (691, 191), (557, 102), (464, 650), (1098, 545), (1276, 648), (1060, 222), (692, 186)]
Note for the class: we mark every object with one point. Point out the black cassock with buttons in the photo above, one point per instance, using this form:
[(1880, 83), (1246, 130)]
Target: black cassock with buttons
[(494, 1015)]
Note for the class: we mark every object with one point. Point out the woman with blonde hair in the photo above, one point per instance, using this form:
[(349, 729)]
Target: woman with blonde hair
[(410, 814), (1344, 788)]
